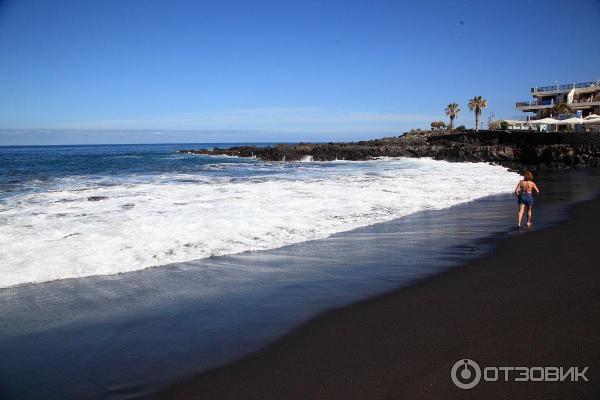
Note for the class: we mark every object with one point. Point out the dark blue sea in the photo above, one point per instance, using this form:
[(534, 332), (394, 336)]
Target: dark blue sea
[(30, 168)]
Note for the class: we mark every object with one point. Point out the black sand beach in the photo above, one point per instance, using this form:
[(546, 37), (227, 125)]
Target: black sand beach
[(154, 333), (535, 301)]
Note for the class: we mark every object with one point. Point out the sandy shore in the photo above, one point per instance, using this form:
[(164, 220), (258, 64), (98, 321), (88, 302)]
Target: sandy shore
[(535, 301)]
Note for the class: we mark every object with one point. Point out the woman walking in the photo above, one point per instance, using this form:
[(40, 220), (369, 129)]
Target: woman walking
[(525, 191)]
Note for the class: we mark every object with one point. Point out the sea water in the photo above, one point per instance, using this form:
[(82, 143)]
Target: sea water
[(75, 211)]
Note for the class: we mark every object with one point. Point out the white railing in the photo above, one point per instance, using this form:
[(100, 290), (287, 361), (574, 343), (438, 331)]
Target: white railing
[(568, 86), (534, 103), (588, 100)]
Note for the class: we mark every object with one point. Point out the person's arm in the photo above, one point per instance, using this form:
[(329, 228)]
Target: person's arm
[(518, 188), (535, 188)]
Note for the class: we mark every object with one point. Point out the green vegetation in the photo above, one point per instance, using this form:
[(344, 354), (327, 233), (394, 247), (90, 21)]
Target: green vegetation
[(438, 125), (498, 125), (477, 104), (452, 110), (561, 108), (494, 126)]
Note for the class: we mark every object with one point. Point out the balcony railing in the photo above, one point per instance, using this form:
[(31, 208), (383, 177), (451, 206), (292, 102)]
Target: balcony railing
[(588, 100), (568, 86), (535, 103)]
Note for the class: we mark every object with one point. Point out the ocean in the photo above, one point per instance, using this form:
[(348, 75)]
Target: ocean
[(77, 211)]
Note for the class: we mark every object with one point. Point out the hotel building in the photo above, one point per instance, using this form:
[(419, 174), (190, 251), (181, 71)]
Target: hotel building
[(583, 98)]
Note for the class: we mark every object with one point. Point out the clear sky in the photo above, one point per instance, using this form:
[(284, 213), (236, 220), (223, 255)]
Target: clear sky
[(135, 71)]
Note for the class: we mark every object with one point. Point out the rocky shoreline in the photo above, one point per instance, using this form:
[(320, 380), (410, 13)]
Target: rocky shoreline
[(514, 150)]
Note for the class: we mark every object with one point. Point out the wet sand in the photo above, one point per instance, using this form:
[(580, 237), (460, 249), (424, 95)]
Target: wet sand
[(534, 301)]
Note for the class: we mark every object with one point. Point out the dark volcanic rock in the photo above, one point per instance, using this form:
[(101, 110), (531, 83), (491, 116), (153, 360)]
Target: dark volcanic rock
[(513, 150)]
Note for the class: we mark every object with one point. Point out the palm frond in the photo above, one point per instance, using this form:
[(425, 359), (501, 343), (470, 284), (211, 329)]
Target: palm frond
[(452, 109)]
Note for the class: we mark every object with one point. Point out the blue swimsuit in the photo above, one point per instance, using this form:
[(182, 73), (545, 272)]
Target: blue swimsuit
[(525, 198)]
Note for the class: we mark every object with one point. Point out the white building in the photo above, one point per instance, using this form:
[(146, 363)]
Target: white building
[(583, 98)]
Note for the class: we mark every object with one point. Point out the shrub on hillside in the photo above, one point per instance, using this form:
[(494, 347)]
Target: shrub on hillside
[(438, 125), (498, 125)]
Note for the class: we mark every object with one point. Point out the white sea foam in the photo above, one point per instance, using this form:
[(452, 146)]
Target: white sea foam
[(80, 229)]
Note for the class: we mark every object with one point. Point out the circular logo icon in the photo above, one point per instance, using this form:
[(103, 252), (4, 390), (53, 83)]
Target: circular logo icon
[(465, 374)]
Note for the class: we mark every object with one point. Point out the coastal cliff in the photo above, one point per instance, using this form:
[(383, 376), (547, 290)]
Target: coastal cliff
[(511, 149)]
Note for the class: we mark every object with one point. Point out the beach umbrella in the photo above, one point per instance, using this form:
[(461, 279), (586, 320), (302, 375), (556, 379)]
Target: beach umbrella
[(570, 121), (591, 121), (546, 121), (592, 116)]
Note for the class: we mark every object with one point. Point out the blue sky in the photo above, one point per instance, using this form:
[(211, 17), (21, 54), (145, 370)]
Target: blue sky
[(131, 71)]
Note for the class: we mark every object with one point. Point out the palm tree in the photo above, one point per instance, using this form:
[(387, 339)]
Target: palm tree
[(561, 108), (452, 111), (477, 104)]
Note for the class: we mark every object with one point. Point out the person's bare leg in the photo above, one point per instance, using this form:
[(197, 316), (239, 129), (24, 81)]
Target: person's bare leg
[(529, 215), (520, 215)]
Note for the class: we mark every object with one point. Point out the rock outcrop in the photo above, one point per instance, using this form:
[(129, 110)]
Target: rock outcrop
[(513, 150)]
